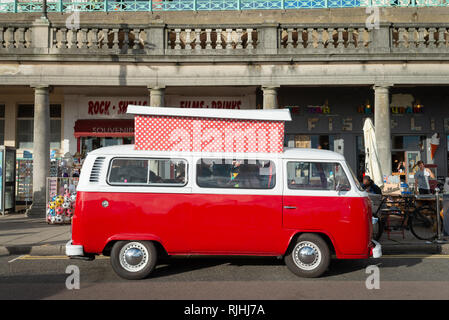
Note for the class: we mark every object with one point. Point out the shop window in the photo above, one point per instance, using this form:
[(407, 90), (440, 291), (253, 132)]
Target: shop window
[(147, 172), (91, 143), (236, 173), (316, 176), (403, 145), (325, 142), (25, 126), (415, 143), (2, 124)]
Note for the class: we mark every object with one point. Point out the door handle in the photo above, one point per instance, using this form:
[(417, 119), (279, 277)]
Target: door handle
[(289, 207)]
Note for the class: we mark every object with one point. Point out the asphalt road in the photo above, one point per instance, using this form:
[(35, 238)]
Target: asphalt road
[(401, 277)]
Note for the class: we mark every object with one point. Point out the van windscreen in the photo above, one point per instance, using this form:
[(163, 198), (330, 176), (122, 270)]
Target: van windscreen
[(316, 176)]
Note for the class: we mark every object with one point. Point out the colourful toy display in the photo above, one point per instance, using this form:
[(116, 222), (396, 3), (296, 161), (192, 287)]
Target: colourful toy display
[(60, 208)]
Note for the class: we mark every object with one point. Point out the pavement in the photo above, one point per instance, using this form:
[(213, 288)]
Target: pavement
[(33, 236), (22, 235)]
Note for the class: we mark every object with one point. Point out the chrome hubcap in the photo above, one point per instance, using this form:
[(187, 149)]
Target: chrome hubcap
[(134, 257), (306, 255)]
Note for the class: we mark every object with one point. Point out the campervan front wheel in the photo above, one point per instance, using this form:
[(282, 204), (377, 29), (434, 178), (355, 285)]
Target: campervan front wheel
[(309, 256), (133, 260)]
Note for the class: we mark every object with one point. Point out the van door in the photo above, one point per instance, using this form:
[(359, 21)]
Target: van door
[(318, 197), (237, 207)]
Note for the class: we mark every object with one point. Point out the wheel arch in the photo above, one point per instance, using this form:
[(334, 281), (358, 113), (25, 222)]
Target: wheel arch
[(326, 237), (162, 252)]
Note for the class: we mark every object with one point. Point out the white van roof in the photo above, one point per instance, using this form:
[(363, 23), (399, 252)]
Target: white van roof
[(251, 114), (289, 153)]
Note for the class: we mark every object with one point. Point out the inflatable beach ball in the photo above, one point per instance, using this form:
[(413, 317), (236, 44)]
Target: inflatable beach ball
[(69, 212), (52, 205), (59, 211)]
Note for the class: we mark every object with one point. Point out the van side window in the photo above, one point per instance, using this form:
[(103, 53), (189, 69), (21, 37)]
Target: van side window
[(236, 173), (316, 176), (128, 171), (168, 171), (125, 171)]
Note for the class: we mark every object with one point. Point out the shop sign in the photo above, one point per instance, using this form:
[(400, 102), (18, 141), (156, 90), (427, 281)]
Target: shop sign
[(108, 107), (102, 128), (407, 110), (311, 123), (393, 123), (293, 109), (318, 109), (232, 102), (347, 124), (368, 110), (405, 104), (413, 126)]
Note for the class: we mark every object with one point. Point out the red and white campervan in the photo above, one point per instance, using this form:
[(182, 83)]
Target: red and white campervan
[(218, 195)]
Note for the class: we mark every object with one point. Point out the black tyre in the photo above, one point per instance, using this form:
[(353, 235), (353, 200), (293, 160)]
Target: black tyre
[(423, 224), (133, 260), (309, 257)]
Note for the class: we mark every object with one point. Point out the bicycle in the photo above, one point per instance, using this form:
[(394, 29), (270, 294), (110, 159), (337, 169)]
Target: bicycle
[(420, 220)]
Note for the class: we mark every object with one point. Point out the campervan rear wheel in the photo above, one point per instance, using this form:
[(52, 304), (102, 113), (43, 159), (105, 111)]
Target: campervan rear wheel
[(309, 257), (133, 260)]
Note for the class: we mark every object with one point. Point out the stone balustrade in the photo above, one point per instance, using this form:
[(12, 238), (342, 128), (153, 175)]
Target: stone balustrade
[(15, 36), (304, 38), (414, 38), (211, 38), (259, 41)]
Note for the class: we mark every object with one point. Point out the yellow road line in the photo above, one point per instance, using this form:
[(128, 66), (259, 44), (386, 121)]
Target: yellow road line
[(28, 257), (420, 256)]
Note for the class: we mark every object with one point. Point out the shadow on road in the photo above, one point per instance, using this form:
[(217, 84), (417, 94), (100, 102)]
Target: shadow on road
[(34, 287)]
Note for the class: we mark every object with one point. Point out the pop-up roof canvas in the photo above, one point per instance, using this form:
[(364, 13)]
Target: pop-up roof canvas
[(209, 130)]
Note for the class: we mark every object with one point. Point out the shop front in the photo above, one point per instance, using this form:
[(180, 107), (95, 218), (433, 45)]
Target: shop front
[(94, 134), (327, 118), (332, 119), (93, 121)]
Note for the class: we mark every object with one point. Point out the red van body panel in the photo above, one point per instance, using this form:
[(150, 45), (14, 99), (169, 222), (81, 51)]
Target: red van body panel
[(346, 221), (221, 224)]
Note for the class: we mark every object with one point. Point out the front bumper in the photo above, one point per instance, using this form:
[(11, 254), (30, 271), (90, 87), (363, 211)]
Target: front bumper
[(376, 250), (73, 250)]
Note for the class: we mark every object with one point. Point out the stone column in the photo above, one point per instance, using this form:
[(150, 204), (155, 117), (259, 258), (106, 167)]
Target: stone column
[(270, 97), (41, 150), (382, 126), (156, 96)]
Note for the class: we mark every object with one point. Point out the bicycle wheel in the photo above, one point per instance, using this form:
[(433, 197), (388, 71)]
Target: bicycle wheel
[(423, 223)]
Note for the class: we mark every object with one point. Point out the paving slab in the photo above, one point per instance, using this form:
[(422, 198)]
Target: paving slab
[(22, 235)]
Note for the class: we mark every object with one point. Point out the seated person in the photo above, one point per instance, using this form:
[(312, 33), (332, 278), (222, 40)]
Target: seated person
[(369, 186)]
